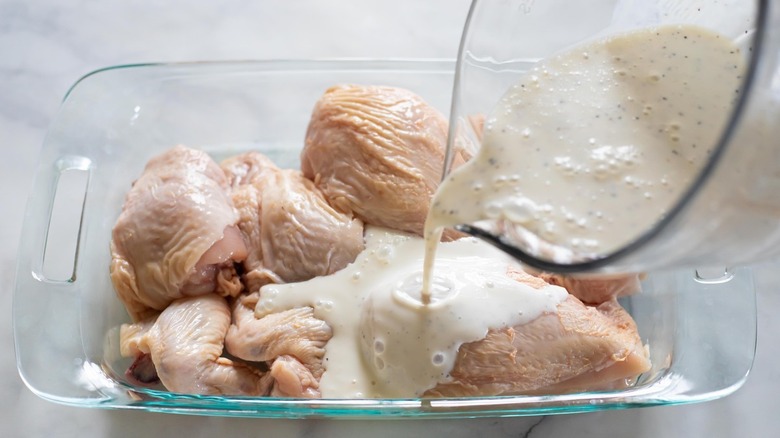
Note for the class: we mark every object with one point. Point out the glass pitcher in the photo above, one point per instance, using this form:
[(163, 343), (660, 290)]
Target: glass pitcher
[(730, 213)]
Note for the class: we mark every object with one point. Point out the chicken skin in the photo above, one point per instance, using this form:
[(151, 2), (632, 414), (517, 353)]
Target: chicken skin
[(295, 332), (176, 235), (596, 290), (185, 343), (577, 348), (293, 234), (377, 152)]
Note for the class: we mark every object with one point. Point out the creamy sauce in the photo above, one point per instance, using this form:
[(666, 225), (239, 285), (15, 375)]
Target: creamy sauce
[(386, 342), (594, 146)]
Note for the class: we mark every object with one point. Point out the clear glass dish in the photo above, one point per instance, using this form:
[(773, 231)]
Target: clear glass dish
[(700, 327)]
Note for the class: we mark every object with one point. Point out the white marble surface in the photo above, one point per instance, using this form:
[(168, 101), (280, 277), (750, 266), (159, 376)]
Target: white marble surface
[(45, 47)]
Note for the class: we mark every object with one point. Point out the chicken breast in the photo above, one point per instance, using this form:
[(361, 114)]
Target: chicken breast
[(292, 232), (377, 152), (185, 343), (176, 234), (578, 348)]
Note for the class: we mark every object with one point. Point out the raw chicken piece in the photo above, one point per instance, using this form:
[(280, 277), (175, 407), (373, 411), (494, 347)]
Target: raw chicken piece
[(247, 173), (185, 344), (302, 235), (378, 152), (141, 371), (131, 336), (596, 290), (176, 235), (293, 379), (292, 232), (578, 348), (295, 332), (247, 169)]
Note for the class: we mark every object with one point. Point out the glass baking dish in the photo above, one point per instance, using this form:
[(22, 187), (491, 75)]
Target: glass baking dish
[(700, 325)]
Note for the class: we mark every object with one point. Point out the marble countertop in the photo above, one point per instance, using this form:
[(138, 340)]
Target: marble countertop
[(46, 46)]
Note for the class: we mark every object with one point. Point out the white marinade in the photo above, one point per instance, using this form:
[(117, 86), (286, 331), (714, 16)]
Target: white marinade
[(592, 147), (385, 342)]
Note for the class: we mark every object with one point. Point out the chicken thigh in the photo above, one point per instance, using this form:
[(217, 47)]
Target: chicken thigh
[(247, 169), (176, 234), (293, 379), (377, 152), (247, 174), (295, 333), (185, 343), (292, 232), (302, 235)]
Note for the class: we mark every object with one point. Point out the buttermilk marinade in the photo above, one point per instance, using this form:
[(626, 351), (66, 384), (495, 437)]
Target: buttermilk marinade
[(595, 145)]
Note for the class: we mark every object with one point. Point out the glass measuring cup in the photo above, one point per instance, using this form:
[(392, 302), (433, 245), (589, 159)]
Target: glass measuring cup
[(730, 212)]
